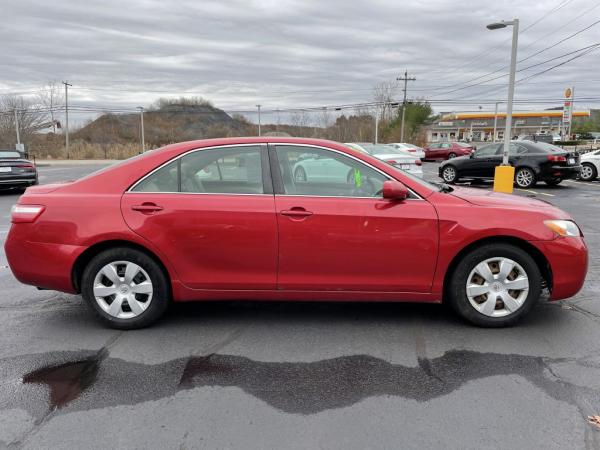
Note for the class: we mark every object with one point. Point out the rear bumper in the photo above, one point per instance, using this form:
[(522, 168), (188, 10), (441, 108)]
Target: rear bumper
[(568, 259), (17, 180), (564, 172), (40, 264)]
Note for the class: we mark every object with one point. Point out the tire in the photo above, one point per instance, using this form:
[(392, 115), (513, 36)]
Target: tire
[(148, 306), (525, 177), (588, 172), (553, 181), (451, 155), (483, 309), (300, 175), (450, 174)]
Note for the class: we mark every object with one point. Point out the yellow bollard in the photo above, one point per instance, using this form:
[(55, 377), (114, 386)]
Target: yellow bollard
[(503, 179)]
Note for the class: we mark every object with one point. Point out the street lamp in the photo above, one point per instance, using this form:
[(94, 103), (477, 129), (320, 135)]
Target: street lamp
[(504, 174)]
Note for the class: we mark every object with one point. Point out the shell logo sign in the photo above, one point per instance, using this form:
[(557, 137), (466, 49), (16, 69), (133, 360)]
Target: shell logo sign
[(568, 93)]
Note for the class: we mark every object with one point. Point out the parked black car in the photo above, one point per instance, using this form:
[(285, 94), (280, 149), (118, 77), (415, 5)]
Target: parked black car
[(537, 138), (16, 172), (533, 162)]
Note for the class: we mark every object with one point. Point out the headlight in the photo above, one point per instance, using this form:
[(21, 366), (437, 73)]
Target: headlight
[(563, 227)]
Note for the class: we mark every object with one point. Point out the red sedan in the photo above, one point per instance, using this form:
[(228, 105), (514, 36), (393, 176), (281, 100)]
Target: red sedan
[(226, 219), (448, 150)]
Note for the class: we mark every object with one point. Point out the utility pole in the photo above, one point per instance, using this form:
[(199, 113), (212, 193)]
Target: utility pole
[(376, 126), (141, 108), (406, 79), (572, 110), (258, 106), (17, 128), (495, 121), (67, 116)]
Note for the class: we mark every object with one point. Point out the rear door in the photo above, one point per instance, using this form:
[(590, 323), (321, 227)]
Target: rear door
[(338, 234), (211, 212)]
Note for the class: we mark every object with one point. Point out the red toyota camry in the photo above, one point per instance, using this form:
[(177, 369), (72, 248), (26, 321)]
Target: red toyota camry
[(232, 219)]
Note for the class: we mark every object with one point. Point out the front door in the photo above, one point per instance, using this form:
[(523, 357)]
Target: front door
[(338, 233), (482, 162), (211, 212)]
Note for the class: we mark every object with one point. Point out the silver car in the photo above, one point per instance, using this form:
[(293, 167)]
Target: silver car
[(400, 159), (410, 148)]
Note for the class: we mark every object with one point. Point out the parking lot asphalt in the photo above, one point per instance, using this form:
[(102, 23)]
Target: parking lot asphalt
[(302, 375)]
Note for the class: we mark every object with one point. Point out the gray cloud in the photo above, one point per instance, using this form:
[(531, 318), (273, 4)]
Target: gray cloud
[(286, 53)]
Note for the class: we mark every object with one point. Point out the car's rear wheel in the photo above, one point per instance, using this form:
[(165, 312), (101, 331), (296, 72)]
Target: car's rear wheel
[(300, 174), (495, 285), (451, 155), (588, 172), (525, 177), (450, 174), (553, 181), (126, 288)]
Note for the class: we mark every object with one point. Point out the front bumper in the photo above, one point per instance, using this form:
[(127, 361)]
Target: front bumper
[(568, 259)]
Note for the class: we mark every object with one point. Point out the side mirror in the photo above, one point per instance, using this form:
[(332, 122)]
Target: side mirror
[(394, 190)]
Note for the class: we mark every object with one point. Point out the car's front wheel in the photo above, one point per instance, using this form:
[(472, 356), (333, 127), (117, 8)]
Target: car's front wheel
[(588, 172), (126, 288), (495, 285), (525, 177), (450, 174)]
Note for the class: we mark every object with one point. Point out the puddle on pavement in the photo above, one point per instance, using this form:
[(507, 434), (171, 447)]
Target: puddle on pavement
[(292, 387), (66, 381)]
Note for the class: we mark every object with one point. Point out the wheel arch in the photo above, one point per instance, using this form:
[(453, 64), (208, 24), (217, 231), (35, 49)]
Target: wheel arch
[(539, 258), (86, 256)]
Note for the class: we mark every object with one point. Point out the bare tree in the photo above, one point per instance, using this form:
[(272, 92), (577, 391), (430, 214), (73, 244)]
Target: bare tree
[(30, 115), (384, 93), (51, 97)]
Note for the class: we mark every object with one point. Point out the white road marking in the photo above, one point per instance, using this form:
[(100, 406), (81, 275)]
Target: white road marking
[(583, 182), (535, 192)]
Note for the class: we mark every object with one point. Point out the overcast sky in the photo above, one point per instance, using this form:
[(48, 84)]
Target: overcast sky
[(294, 53)]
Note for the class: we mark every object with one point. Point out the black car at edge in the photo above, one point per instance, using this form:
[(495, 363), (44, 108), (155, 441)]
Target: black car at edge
[(533, 162), (16, 172)]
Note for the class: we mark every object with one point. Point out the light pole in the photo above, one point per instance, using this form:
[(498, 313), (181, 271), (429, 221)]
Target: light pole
[(504, 174), (67, 117), (258, 106), (141, 108), (495, 121)]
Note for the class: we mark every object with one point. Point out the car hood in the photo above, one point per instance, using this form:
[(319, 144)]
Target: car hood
[(482, 197)]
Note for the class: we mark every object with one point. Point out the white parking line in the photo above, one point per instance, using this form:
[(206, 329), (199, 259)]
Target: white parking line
[(583, 182), (535, 192)]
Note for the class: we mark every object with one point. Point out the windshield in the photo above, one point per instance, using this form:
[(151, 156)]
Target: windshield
[(5, 154)]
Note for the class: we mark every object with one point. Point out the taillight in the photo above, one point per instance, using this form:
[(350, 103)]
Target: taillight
[(392, 162), (24, 166), (412, 150), (418, 162), (26, 213), (555, 158)]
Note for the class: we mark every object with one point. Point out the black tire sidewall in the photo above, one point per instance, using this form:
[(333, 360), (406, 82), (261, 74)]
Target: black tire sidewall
[(161, 295), (456, 291)]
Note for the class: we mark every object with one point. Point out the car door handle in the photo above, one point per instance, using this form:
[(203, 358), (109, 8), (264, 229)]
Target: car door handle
[(296, 213), (147, 208)]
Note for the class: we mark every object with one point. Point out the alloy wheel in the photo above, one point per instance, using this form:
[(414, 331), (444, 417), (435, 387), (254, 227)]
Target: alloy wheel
[(449, 174), (587, 172), (123, 289), (524, 178), (497, 287)]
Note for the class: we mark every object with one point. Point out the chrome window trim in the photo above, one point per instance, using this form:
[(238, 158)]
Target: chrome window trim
[(275, 144), (261, 145)]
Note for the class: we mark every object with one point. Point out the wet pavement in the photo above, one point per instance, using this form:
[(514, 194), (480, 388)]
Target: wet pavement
[(302, 375)]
